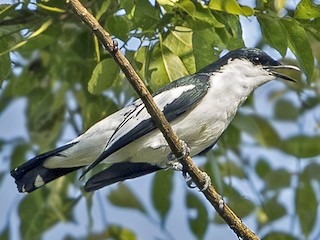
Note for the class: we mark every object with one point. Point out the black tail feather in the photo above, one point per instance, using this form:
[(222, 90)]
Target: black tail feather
[(119, 172), (32, 174), (39, 176)]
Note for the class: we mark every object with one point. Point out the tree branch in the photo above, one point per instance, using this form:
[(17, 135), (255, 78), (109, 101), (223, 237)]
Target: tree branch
[(161, 122)]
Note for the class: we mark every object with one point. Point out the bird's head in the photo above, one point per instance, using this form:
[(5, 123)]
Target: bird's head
[(251, 66)]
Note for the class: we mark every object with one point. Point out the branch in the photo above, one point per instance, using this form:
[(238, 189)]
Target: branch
[(161, 122)]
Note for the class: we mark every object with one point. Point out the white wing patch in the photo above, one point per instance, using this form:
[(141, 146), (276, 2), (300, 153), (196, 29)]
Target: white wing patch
[(139, 113), (38, 181)]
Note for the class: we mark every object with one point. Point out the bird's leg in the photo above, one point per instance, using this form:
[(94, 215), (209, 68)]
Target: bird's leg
[(174, 162), (188, 179), (207, 182), (190, 183)]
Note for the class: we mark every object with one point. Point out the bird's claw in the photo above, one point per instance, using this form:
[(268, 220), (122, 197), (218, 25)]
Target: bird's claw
[(174, 162), (207, 181), (190, 183)]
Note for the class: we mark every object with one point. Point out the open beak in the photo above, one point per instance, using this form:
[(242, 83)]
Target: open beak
[(273, 70)]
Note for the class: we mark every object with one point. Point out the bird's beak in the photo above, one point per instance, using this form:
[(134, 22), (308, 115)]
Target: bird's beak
[(273, 70)]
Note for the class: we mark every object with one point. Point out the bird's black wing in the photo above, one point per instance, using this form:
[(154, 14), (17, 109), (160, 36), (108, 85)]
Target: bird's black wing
[(119, 172), (173, 100)]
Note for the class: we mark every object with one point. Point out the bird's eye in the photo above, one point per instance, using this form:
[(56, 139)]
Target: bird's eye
[(256, 60)]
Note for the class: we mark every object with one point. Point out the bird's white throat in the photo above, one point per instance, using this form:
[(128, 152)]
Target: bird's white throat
[(240, 76)]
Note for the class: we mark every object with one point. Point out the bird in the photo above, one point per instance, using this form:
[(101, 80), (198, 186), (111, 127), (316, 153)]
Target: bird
[(199, 108)]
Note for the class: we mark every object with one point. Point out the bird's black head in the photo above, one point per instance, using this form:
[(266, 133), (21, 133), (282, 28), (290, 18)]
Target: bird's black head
[(256, 57)]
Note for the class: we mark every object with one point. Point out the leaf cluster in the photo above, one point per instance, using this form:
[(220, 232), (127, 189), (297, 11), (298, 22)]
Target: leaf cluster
[(49, 59)]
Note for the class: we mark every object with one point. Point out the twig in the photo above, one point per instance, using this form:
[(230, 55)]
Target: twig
[(161, 122)]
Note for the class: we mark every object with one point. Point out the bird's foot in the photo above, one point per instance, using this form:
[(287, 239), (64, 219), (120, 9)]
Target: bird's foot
[(190, 183), (184, 153), (174, 162), (207, 182), (188, 179)]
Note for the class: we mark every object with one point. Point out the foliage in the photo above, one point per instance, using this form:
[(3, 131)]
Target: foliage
[(51, 60)]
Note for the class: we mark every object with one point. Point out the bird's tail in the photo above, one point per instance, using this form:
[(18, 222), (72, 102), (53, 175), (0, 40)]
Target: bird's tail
[(33, 174)]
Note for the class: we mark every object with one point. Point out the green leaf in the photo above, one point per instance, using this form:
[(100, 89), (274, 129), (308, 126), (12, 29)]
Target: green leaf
[(118, 26), (18, 155), (161, 192), (302, 146), (230, 6), (198, 217), (142, 58), (204, 43), (299, 44), (51, 9), (114, 232), (313, 28), (306, 206), (312, 171), (166, 2), (5, 233), (9, 37), (125, 198), (273, 210), (179, 41), (95, 108), (259, 128), (311, 102), (103, 76), (25, 83), (262, 168), (232, 169), (2, 176), (41, 42), (277, 179), (102, 9), (231, 137), (48, 208), (143, 16), (212, 167), (165, 67), (279, 5), (187, 6), (6, 10), (231, 34), (285, 110), (46, 115), (199, 15), (5, 68), (279, 236), (35, 34), (306, 9), (237, 202), (271, 27)]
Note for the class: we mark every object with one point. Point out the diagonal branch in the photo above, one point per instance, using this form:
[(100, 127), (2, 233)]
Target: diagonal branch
[(161, 122)]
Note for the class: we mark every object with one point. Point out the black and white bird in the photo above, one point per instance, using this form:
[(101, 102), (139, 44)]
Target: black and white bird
[(199, 107)]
